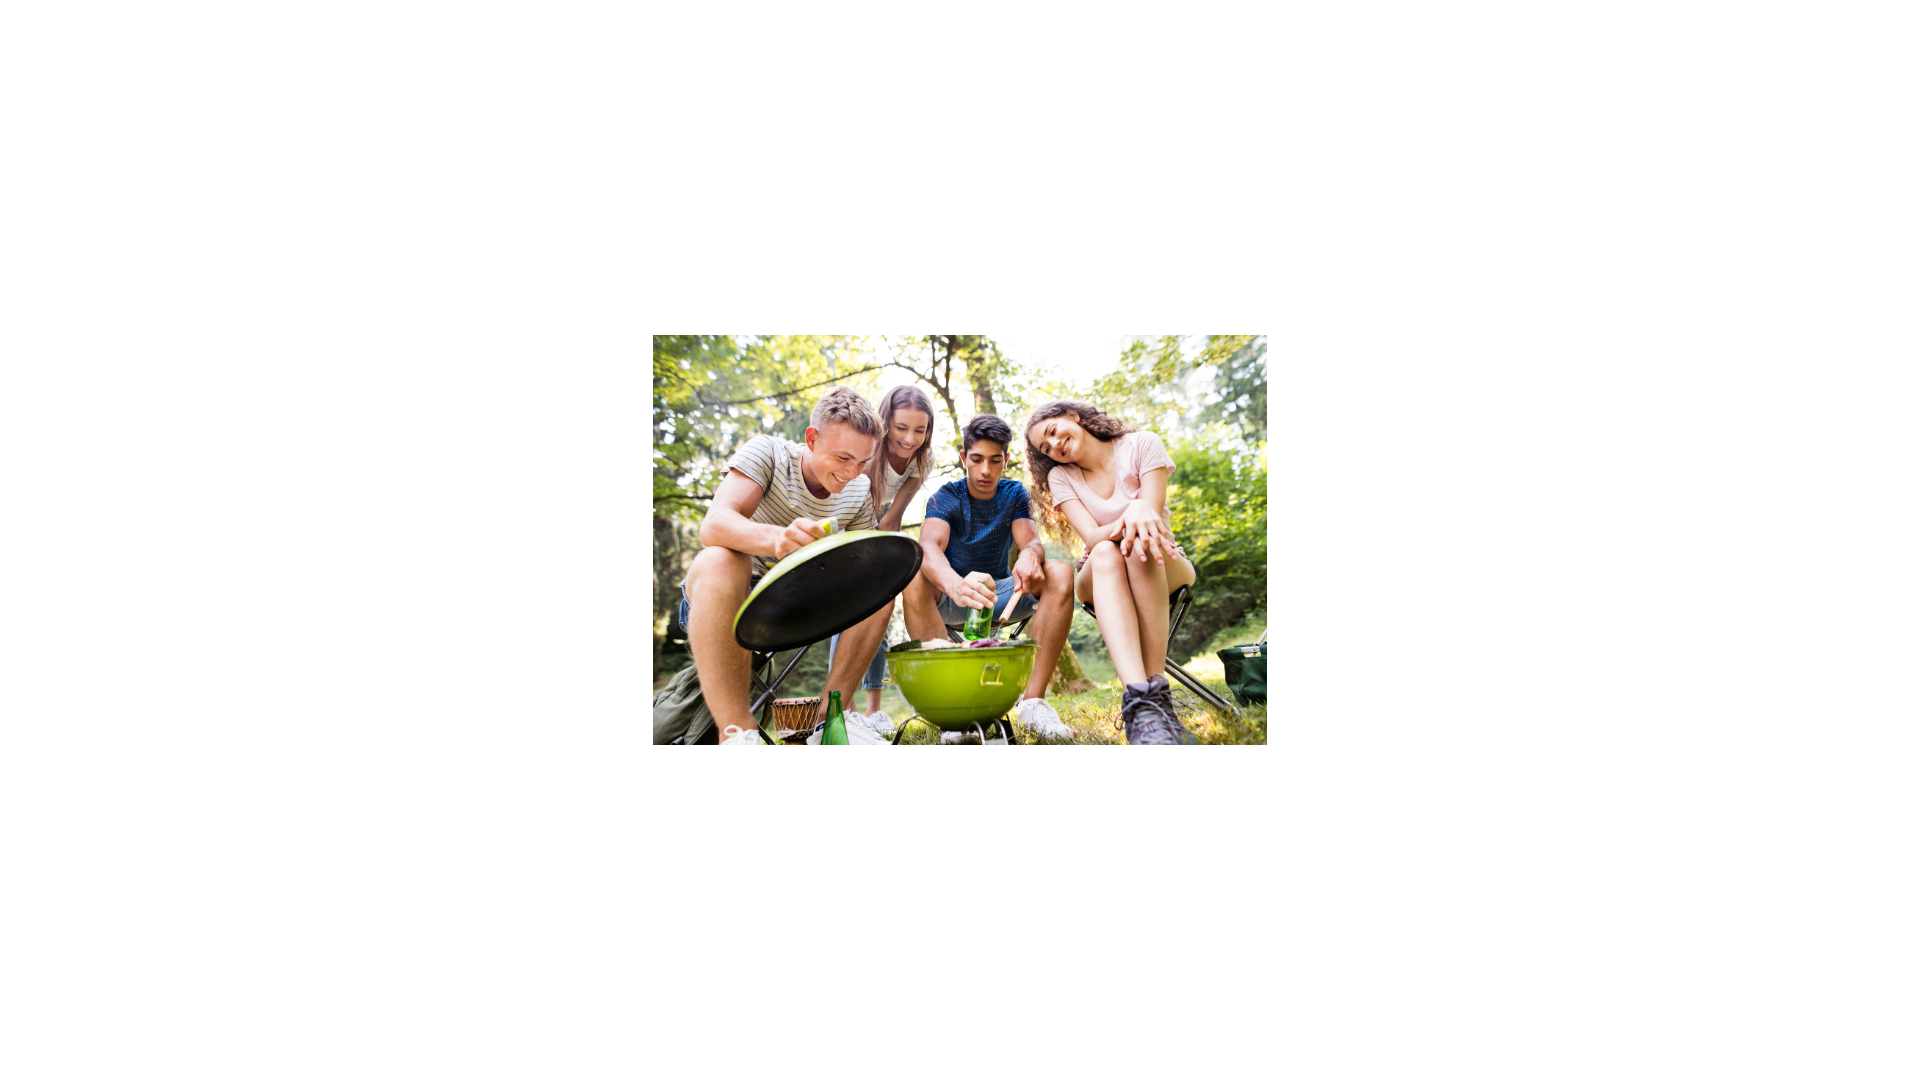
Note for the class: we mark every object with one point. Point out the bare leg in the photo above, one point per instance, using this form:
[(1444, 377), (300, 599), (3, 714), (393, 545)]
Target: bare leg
[(922, 613), (873, 702), (717, 586), (1051, 618), (1113, 609), (1147, 583), (851, 659)]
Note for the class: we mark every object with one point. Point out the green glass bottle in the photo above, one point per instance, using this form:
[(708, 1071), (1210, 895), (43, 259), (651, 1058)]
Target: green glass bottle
[(836, 733), (979, 624)]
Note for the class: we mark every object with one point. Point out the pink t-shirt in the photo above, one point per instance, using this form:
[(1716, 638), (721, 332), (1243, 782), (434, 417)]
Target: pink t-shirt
[(1134, 453)]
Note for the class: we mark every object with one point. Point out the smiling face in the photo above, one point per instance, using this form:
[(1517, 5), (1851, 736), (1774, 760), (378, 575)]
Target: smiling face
[(908, 433), (839, 455), (985, 460), (1060, 438)]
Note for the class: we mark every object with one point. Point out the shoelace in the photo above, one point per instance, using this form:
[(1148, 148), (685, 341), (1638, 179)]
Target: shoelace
[(1151, 717)]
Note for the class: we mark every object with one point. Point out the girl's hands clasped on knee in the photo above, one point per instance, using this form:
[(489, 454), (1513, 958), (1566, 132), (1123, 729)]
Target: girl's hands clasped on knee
[(1141, 532)]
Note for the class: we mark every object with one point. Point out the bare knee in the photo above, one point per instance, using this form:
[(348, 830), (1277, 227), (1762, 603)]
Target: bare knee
[(1146, 569), (718, 567), (1105, 558), (1059, 579), (919, 606), (917, 594)]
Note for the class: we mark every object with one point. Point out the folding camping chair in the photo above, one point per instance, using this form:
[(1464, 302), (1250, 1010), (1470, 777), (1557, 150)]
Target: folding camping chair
[(1177, 605), (764, 705), (761, 667)]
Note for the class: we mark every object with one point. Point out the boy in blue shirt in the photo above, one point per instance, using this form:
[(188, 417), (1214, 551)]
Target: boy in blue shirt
[(965, 539)]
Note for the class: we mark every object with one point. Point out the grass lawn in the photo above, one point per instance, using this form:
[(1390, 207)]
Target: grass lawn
[(1095, 716)]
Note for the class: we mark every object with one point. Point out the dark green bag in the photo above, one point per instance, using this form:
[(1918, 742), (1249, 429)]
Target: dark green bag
[(680, 714), (1246, 672)]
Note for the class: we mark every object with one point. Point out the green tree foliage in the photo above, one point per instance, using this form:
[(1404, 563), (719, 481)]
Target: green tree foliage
[(1169, 384), (1205, 395), (1217, 497), (712, 394), (1239, 387), (966, 374)]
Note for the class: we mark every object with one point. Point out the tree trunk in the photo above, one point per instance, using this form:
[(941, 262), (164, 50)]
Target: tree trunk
[(944, 386), (1068, 676), (979, 372)]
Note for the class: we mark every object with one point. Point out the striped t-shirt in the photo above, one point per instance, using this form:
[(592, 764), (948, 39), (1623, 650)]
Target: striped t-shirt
[(774, 464)]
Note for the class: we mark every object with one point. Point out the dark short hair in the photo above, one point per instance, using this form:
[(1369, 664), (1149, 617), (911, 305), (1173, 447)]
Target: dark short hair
[(988, 427)]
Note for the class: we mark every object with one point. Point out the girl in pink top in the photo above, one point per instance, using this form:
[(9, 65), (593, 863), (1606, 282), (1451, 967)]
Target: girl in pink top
[(1108, 483)]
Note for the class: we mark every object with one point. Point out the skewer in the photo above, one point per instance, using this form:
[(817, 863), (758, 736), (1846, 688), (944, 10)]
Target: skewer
[(1012, 599)]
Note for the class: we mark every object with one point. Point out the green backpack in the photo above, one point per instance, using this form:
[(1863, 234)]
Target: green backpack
[(1246, 671), (680, 714)]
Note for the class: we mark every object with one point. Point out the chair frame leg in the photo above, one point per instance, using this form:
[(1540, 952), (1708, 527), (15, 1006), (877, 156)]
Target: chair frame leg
[(1180, 675), (763, 706)]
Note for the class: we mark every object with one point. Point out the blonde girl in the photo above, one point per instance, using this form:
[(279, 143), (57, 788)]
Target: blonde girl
[(905, 458)]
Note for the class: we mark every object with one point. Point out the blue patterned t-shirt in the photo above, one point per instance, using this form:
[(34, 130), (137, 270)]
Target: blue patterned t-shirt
[(981, 532)]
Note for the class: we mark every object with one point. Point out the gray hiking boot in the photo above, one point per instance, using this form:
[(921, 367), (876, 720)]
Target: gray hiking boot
[(1147, 710)]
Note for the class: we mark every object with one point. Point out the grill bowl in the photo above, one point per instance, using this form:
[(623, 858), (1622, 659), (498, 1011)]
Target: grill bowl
[(953, 689)]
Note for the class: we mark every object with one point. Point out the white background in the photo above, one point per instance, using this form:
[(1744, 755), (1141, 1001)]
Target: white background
[(1593, 533)]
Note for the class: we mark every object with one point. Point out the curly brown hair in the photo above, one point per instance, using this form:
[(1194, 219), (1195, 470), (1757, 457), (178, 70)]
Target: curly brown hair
[(1098, 424)]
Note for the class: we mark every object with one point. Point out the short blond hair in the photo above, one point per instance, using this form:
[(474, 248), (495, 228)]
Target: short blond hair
[(842, 406)]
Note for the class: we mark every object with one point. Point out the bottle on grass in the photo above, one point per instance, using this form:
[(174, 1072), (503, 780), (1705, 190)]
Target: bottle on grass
[(836, 733)]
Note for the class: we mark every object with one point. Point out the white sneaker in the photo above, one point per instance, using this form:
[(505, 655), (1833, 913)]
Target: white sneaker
[(881, 723), (858, 733), (954, 738), (1037, 716), (735, 735), (870, 724)]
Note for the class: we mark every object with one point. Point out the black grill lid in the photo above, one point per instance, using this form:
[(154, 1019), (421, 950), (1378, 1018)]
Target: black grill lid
[(826, 587)]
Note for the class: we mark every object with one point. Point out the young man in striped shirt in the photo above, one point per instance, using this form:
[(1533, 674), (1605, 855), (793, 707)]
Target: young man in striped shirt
[(775, 495)]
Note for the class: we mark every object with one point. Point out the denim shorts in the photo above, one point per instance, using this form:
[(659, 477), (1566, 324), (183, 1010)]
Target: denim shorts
[(956, 616), (686, 604)]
